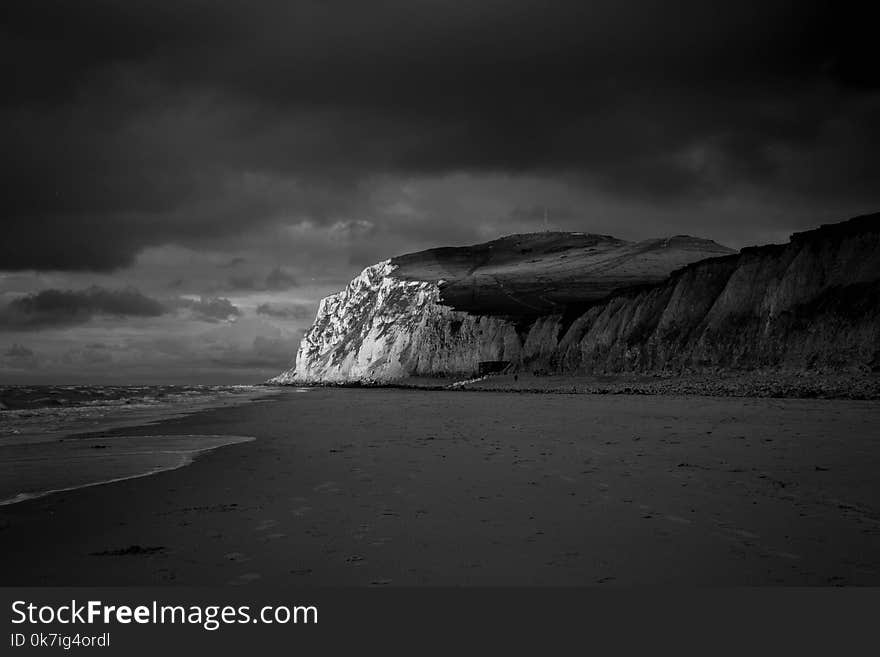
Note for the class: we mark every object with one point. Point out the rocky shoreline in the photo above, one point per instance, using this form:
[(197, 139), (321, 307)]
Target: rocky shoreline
[(760, 384)]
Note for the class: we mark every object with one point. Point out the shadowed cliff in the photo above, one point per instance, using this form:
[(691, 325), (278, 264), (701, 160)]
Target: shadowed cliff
[(530, 275)]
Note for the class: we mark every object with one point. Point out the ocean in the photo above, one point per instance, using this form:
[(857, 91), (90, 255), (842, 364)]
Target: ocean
[(41, 451)]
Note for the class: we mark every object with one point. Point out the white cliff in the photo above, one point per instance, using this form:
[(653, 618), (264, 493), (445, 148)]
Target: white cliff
[(381, 328)]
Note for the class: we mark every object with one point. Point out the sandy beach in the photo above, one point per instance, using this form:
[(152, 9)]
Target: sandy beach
[(411, 487)]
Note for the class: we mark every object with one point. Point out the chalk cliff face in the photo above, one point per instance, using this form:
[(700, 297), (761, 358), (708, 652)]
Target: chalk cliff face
[(813, 303), (562, 302), (381, 328)]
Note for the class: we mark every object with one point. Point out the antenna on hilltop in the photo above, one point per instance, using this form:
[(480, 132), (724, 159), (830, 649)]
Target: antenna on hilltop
[(546, 223)]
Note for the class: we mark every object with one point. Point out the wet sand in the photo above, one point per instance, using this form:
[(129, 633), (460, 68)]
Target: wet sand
[(408, 487), (44, 467)]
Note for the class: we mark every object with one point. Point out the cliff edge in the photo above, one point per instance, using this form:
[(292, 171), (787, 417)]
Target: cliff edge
[(578, 303)]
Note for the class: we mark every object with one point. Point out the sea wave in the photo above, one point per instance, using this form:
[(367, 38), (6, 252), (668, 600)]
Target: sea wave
[(37, 413)]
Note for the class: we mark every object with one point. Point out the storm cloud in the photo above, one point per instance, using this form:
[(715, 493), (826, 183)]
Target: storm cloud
[(54, 308), (18, 357), (286, 311), (276, 280), (211, 309), (59, 308), (138, 124)]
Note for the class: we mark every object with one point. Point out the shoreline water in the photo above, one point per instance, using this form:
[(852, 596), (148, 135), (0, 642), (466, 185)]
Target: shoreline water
[(46, 448), (56, 412)]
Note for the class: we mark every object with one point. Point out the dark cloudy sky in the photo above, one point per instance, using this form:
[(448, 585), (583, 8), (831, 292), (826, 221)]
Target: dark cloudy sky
[(183, 179)]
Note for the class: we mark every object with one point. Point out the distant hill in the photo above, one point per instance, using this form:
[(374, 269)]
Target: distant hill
[(533, 274)]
